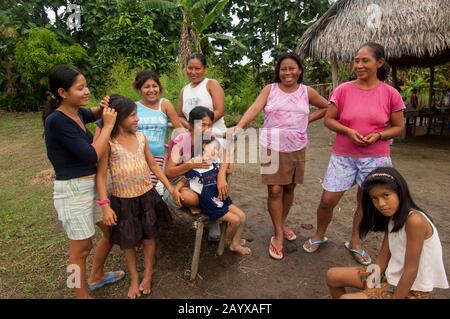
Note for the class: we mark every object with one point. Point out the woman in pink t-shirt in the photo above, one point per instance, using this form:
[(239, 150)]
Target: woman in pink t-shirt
[(283, 138), (365, 114)]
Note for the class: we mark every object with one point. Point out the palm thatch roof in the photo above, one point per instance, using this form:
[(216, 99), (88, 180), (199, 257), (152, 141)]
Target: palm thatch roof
[(413, 32)]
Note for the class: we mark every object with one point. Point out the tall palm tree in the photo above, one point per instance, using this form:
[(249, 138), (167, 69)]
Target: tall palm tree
[(196, 21)]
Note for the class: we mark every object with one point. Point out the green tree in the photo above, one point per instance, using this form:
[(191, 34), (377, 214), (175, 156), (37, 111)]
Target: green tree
[(197, 17), (131, 37), (272, 26), (36, 54)]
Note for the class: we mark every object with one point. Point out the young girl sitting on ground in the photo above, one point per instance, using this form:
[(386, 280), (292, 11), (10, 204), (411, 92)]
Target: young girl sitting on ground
[(410, 260), (204, 182), (135, 210)]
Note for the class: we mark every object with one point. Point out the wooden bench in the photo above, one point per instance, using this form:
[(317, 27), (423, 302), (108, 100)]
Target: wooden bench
[(198, 222)]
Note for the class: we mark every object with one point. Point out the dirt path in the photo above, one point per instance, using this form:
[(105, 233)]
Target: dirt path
[(426, 167)]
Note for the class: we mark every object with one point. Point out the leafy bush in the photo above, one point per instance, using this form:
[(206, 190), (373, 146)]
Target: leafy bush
[(40, 51), (35, 55), (131, 38)]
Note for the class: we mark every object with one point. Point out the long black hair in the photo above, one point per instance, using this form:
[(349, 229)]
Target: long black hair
[(62, 76), (378, 53), (287, 55), (124, 107), (372, 219)]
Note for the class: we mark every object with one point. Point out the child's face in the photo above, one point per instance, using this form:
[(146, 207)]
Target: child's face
[(150, 91), (385, 200), (130, 124), (211, 151), (78, 93)]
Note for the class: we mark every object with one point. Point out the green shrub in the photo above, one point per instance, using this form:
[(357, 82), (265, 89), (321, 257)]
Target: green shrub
[(35, 55)]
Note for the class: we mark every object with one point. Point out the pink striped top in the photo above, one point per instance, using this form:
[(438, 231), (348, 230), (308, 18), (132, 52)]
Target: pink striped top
[(130, 173), (285, 120)]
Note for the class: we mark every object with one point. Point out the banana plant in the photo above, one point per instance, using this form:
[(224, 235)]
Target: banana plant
[(196, 20)]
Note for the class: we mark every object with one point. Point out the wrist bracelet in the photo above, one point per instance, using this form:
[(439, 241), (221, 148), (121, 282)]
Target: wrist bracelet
[(103, 202), (381, 136)]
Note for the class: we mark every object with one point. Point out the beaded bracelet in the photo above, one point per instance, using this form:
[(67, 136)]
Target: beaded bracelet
[(103, 202)]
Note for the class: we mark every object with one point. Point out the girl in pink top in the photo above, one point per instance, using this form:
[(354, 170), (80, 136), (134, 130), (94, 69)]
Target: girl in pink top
[(286, 116), (365, 114)]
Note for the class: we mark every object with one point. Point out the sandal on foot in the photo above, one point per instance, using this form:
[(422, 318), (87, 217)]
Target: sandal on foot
[(108, 280), (311, 243), (361, 253), (274, 252), (289, 234)]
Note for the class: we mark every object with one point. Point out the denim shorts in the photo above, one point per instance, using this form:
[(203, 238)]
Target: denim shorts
[(345, 171), (74, 202)]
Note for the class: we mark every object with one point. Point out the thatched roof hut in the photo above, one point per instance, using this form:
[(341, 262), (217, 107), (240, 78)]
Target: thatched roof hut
[(413, 32)]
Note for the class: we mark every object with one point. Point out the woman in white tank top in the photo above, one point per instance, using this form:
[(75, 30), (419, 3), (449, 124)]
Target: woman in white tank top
[(201, 91), (205, 92), (410, 263)]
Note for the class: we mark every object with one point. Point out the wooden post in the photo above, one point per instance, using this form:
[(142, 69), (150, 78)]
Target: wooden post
[(197, 247), (430, 96), (334, 71), (394, 76)]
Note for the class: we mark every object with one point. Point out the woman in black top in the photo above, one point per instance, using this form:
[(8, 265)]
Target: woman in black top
[(74, 156)]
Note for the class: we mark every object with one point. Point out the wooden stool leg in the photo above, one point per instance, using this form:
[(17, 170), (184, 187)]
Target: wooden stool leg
[(197, 246), (223, 232)]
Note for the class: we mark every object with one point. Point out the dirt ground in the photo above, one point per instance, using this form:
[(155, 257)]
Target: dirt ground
[(425, 163)]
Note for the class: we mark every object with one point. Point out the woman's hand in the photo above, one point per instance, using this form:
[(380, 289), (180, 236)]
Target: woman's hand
[(199, 162), (109, 216), (356, 138), (109, 117), (234, 130), (176, 195), (222, 187), (372, 138), (104, 102)]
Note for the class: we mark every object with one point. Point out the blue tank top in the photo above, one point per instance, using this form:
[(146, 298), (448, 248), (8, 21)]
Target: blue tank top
[(153, 123)]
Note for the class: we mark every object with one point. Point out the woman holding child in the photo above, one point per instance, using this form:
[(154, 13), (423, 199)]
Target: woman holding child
[(202, 91)]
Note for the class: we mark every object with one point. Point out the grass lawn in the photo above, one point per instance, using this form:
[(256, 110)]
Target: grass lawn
[(32, 249)]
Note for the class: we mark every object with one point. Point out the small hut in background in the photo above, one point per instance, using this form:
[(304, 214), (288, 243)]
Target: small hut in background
[(413, 33)]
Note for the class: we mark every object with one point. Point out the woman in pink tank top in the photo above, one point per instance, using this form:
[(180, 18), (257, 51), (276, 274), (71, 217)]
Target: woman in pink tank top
[(283, 138)]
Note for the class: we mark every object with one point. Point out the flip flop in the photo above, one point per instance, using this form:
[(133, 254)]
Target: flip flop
[(360, 253), (312, 243), (108, 280), (274, 252), (289, 234)]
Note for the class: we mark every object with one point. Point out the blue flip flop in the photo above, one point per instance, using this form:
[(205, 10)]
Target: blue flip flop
[(360, 253), (314, 242), (108, 280)]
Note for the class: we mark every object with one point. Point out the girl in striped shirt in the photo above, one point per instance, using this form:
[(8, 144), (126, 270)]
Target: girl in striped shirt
[(135, 209)]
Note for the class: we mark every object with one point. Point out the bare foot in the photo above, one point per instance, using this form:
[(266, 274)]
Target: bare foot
[(242, 242), (240, 249), (134, 291), (146, 285)]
